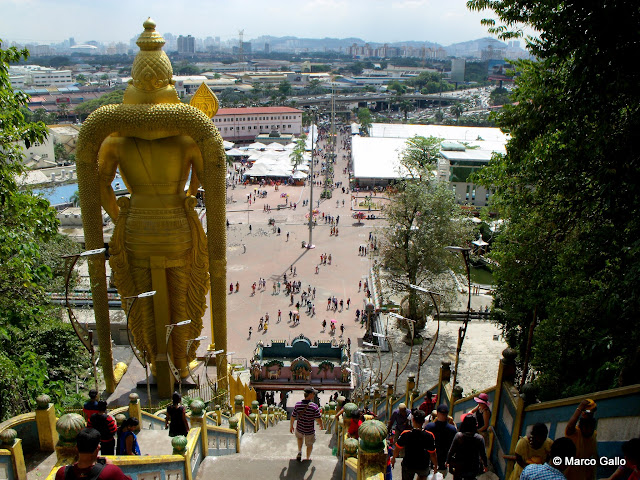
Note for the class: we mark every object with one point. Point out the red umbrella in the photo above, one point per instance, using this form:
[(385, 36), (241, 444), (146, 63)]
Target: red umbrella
[(333, 320)]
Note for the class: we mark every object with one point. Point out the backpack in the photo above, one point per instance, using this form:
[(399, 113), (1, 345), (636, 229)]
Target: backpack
[(94, 473), (100, 423)]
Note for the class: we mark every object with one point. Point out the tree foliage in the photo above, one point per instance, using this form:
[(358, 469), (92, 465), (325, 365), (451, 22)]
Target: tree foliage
[(364, 119), (567, 187), (297, 154), (38, 353), (429, 82), (86, 108), (499, 96), (40, 115), (424, 218)]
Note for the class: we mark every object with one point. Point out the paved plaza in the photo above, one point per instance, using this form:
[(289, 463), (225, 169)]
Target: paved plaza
[(256, 251)]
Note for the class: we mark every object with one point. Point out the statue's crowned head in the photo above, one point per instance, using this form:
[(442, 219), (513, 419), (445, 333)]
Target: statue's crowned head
[(151, 71)]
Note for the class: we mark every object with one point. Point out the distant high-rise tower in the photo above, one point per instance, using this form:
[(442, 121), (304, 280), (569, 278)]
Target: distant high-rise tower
[(72, 41), (267, 47), (457, 70), (186, 44)]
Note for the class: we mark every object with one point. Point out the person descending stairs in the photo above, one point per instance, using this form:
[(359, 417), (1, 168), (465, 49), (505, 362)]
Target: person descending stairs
[(271, 454)]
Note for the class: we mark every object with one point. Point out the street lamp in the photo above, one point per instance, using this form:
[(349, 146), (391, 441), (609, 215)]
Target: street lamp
[(423, 358), (84, 334), (189, 343), (313, 146), (172, 367), (212, 385), (462, 331), (141, 356), (377, 348), (406, 363)]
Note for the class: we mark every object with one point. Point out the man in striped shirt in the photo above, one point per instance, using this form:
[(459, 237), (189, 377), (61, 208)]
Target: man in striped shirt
[(305, 412), (106, 425)]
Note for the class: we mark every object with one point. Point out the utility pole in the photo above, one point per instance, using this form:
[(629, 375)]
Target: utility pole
[(241, 46), (313, 144)]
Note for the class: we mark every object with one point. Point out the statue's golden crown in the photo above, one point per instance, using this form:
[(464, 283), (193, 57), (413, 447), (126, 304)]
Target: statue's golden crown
[(151, 70)]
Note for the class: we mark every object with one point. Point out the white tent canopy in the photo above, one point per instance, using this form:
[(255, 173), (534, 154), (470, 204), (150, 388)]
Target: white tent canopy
[(311, 135), (227, 145), (234, 152), (274, 146)]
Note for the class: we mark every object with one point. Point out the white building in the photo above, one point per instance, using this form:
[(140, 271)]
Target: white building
[(17, 81), (37, 76), (245, 124), (39, 155), (464, 150)]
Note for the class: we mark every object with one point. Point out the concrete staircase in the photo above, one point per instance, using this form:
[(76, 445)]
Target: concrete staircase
[(271, 454)]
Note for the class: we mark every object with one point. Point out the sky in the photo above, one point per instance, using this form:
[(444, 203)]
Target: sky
[(379, 21)]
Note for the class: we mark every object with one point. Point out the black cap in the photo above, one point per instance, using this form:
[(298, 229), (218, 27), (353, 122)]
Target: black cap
[(442, 408), (309, 390)]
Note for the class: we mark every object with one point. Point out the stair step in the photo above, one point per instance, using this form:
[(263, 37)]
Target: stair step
[(240, 466), (271, 454)]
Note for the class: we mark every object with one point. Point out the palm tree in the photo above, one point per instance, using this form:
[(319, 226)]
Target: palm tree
[(405, 106), (75, 199), (297, 154), (456, 110)]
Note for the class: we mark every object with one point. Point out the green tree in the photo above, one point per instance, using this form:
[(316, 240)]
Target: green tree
[(365, 120), (185, 68), (396, 86), (314, 86), (569, 253), (40, 115), (297, 154), (63, 110), (405, 107), (86, 108), (426, 219), (457, 109), (284, 88), (29, 361), (59, 152), (499, 96)]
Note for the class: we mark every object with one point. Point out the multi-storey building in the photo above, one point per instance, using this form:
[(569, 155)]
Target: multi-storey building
[(37, 76), (186, 44), (245, 124)]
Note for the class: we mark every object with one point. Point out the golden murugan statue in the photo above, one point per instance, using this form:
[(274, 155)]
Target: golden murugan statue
[(158, 242)]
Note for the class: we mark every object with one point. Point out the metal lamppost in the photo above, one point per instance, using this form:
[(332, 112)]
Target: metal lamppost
[(212, 385), (424, 357), (172, 367), (377, 349), (462, 331), (189, 343), (409, 321), (140, 355), (313, 147), (84, 334)]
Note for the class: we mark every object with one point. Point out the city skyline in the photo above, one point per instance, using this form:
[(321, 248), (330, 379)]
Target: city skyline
[(31, 21)]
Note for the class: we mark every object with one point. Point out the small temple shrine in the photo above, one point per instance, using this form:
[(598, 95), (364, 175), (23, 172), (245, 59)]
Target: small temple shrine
[(283, 366)]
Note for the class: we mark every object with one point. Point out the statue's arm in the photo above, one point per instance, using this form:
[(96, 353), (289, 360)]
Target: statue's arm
[(197, 170), (108, 164)]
